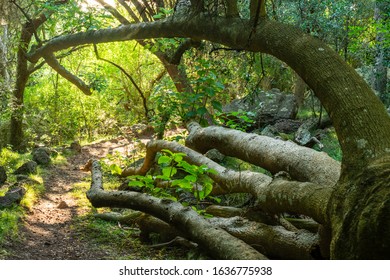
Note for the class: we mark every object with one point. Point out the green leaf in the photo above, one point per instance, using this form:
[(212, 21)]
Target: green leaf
[(178, 157), (136, 184), (191, 178), (167, 151), (212, 171), (207, 189), (217, 105), (183, 184), (115, 169), (201, 111), (164, 159), (169, 171)]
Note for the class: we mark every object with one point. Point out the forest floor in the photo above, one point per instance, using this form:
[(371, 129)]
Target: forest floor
[(50, 231)]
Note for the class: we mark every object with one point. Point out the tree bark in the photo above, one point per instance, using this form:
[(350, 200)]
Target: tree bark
[(22, 76), (303, 164)]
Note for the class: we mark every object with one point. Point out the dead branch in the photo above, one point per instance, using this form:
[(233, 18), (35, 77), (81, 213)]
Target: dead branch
[(214, 240)]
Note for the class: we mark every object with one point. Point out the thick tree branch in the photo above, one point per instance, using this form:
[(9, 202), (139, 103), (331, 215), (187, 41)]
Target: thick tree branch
[(275, 196), (303, 164), (215, 240)]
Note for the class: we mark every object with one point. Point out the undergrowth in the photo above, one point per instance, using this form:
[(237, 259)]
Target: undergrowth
[(120, 242), (10, 217)]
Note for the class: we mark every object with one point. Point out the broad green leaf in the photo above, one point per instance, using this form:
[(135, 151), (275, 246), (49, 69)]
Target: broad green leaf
[(191, 178), (201, 111), (164, 159), (136, 184), (115, 169), (169, 171), (217, 105)]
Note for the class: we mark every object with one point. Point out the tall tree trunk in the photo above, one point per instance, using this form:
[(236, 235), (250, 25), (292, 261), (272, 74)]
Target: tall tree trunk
[(382, 10), (5, 80), (22, 75)]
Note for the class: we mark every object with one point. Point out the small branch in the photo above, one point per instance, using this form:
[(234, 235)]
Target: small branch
[(129, 11), (141, 93), (114, 12), (53, 63), (186, 45)]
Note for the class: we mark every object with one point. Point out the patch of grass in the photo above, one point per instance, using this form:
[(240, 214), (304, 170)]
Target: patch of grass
[(33, 192), (121, 244), (59, 159), (9, 218), (12, 160), (79, 193)]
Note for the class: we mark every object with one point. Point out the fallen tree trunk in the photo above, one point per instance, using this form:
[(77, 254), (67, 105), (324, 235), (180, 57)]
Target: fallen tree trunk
[(278, 242), (217, 242), (275, 241), (303, 164), (272, 196)]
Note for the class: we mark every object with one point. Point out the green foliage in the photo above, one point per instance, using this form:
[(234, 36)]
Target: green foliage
[(12, 160), (9, 218), (239, 120), (331, 145), (195, 180)]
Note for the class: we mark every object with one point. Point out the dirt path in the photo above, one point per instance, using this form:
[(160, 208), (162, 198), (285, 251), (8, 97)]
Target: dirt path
[(47, 229)]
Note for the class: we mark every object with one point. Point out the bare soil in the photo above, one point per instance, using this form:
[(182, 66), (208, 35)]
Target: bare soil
[(47, 231)]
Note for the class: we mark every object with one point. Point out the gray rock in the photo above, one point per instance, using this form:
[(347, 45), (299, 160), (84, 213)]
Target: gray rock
[(3, 175), (41, 155), (268, 106), (287, 125), (29, 167), (13, 195)]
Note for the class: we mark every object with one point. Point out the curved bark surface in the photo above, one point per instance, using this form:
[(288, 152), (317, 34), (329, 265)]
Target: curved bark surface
[(303, 164)]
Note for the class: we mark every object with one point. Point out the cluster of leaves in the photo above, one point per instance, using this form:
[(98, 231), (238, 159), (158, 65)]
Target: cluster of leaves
[(238, 120), (199, 104), (195, 181)]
